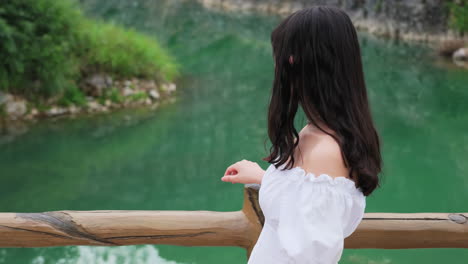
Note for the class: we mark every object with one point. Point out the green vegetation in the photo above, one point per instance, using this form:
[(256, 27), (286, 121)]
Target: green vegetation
[(459, 15), (48, 46), (72, 96), (138, 96), (124, 52), (113, 95), (378, 6)]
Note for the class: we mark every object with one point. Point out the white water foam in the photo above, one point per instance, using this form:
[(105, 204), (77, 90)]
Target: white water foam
[(110, 255)]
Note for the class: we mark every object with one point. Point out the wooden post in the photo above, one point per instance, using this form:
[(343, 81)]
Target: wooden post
[(254, 215), (207, 228)]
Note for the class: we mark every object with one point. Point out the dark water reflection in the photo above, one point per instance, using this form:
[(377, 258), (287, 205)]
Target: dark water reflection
[(173, 158)]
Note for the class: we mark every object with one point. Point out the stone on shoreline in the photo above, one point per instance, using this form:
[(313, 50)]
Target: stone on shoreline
[(56, 111), (414, 20), (148, 85), (16, 109), (460, 54), (154, 94), (5, 98), (448, 47), (95, 84), (73, 109), (127, 91), (94, 106), (168, 87)]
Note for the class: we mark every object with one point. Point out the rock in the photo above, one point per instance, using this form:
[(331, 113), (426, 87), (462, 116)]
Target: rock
[(448, 47), (461, 54), (409, 19), (147, 101), (127, 83), (168, 87), (94, 106), (15, 109), (73, 109), (56, 111), (148, 85), (95, 84), (108, 103), (154, 94), (34, 112), (172, 87), (5, 98), (127, 91)]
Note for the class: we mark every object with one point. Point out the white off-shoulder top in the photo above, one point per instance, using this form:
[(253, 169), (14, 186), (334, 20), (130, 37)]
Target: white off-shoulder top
[(307, 217)]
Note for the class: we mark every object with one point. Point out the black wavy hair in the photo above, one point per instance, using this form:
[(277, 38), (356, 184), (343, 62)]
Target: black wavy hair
[(318, 66)]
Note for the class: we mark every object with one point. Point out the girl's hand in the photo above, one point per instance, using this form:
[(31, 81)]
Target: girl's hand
[(243, 171)]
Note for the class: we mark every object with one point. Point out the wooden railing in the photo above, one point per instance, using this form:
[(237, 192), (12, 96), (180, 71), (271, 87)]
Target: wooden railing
[(207, 228)]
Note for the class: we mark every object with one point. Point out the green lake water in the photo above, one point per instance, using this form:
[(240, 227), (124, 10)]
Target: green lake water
[(172, 158)]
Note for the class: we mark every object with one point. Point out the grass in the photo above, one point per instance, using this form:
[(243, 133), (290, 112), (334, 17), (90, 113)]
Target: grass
[(47, 47), (72, 96), (125, 52), (138, 96), (114, 96)]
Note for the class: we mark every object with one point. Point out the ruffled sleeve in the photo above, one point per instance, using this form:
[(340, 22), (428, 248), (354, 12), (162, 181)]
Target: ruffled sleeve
[(313, 219)]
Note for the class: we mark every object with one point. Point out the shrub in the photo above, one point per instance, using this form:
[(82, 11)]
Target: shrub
[(47, 46), (72, 96), (459, 15), (109, 48), (114, 95), (36, 44), (138, 96)]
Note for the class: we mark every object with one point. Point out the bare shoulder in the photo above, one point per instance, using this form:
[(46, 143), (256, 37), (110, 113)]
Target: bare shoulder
[(319, 153)]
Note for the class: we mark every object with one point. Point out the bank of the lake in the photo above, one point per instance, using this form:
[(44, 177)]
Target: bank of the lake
[(442, 24), (57, 62), (431, 20)]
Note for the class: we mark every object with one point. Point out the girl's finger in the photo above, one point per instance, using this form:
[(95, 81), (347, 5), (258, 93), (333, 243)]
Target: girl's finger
[(230, 170), (232, 179), (227, 169)]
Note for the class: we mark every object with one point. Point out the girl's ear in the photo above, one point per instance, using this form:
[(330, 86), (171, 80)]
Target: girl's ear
[(291, 59)]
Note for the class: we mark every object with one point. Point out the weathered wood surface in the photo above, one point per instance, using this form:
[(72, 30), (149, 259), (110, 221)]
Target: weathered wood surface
[(416, 230), (116, 228), (207, 228)]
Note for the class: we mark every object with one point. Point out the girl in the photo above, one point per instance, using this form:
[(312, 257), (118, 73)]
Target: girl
[(313, 193)]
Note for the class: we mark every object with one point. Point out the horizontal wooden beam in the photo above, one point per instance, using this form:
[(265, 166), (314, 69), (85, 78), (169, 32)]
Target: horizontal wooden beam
[(116, 228), (207, 228), (416, 230)]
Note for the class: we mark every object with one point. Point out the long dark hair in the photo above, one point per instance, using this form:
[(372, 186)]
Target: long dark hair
[(318, 66)]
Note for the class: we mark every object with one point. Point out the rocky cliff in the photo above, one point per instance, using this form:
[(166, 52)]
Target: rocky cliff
[(424, 20)]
